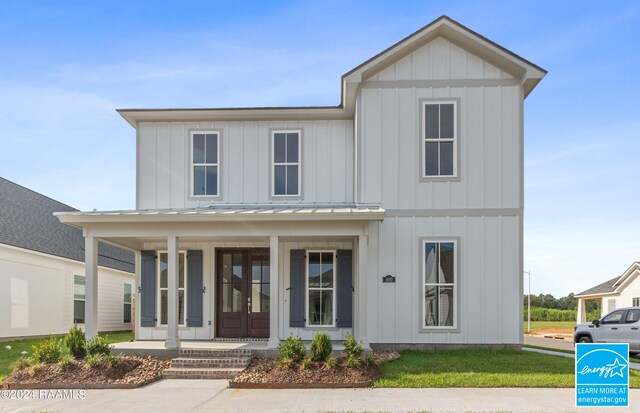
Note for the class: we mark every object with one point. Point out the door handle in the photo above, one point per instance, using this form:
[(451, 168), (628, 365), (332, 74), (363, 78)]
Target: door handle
[(634, 328), (614, 328)]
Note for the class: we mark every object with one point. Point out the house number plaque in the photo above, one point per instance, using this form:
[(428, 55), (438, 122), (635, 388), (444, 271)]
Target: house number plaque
[(388, 279)]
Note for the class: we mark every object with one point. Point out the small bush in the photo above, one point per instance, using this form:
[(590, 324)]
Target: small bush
[(36, 368), (306, 363), (21, 363), (93, 360), (321, 346), (352, 362), (285, 362), (352, 347), (370, 361), (66, 361), (76, 342), (292, 348), (330, 363), (47, 351), (99, 345), (102, 360)]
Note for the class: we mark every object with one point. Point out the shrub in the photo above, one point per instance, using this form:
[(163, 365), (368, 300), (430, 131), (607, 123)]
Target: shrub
[(102, 360), (330, 363), (352, 347), (76, 342), (47, 351), (370, 361), (66, 361), (285, 362), (292, 348), (352, 362), (321, 346), (550, 314), (306, 363), (36, 368), (99, 345), (21, 363)]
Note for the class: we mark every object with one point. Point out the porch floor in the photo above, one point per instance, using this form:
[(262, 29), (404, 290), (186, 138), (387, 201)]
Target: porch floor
[(156, 347)]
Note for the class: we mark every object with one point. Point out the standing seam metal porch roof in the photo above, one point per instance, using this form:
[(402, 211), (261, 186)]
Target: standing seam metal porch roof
[(234, 213)]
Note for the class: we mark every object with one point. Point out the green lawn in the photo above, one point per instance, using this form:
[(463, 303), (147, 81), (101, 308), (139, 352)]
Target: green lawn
[(551, 326), (7, 357), (481, 368)]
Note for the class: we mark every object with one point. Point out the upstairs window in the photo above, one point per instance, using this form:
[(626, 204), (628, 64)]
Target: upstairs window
[(286, 163), (205, 163), (439, 146)]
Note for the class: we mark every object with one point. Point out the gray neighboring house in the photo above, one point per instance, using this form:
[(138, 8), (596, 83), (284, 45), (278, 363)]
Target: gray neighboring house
[(42, 269), (620, 291)]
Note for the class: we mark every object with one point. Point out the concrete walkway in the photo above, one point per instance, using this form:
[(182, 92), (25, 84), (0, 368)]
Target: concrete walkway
[(214, 396)]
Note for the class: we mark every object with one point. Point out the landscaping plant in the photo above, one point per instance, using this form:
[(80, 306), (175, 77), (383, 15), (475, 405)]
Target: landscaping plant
[(370, 361), (352, 347), (330, 363), (285, 362), (65, 362), (76, 342), (352, 362), (321, 346), (47, 351), (292, 348), (99, 345), (21, 363), (306, 363)]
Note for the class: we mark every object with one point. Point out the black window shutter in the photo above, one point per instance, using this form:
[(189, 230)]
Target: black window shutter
[(345, 289), (297, 289), (194, 288), (148, 289)]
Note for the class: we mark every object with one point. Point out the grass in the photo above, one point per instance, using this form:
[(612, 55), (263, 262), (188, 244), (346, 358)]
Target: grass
[(559, 350), (481, 368), (556, 326), (7, 357)]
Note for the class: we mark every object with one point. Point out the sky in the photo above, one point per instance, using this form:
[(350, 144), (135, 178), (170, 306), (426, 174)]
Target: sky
[(65, 66)]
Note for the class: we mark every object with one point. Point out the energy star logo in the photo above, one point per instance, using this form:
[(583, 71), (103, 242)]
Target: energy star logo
[(602, 375)]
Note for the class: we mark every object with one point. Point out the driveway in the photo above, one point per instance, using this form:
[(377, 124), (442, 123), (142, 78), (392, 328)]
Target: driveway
[(213, 396)]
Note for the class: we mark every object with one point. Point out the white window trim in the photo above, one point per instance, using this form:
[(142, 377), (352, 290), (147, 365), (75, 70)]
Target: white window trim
[(274, 164), (124, 302), (159, 290), (306, 289), (193, 164), (84, 300), (424, 283), (424, 140)]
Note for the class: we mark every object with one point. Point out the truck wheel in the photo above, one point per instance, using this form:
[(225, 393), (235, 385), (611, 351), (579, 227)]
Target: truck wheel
[(585, 339)]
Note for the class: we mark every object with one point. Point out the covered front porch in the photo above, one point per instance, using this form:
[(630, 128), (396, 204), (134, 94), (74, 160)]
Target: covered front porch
[(236, 273)]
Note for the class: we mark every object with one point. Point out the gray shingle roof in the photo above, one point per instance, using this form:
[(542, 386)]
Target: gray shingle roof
[(27, 221), (605, 287)]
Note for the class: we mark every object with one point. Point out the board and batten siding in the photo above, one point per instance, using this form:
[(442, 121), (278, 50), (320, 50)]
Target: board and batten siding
[(38, 296), (489, 178), (245, 162)]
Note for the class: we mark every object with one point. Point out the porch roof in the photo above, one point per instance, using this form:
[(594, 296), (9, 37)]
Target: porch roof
[(271, 212)]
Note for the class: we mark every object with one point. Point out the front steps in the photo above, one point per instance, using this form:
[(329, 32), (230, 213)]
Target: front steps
[(208, 364)]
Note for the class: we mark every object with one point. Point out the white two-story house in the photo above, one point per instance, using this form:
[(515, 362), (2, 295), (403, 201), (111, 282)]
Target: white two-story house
[(396, 215)]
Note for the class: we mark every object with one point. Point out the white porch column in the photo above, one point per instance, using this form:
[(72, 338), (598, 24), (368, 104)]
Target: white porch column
[(173, 339), (91, 286), (274, 296), (361, 307), (582, 313)]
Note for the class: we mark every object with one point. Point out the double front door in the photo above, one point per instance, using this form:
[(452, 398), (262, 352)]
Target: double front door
[(242, 293)]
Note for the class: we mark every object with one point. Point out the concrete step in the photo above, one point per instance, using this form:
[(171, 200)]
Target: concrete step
[(203, 353), (201, 374), (215, 362)]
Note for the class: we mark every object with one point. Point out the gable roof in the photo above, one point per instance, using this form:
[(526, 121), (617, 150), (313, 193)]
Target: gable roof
[(27, 221), (614, 285), (443, 26)]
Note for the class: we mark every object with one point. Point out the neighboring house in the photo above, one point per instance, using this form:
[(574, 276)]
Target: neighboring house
[(396, 215), (42, 270), (620, 291)]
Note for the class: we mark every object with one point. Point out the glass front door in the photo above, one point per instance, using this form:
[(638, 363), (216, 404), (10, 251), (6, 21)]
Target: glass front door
[(243, 302)]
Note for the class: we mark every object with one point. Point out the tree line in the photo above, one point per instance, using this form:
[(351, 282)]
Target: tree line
[(545, 307)]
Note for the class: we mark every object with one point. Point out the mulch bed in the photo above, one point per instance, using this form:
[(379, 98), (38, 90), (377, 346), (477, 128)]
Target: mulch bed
[(130, 372), (267, 373)]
